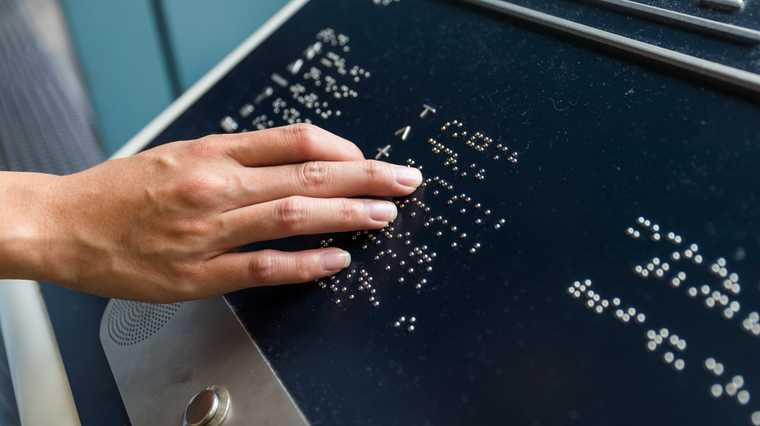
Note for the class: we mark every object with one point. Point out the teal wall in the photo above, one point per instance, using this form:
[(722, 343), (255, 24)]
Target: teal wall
[(203, 31), (122, 64), (136, 56)]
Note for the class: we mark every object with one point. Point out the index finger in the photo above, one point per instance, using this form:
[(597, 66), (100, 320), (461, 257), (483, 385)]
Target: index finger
[(288, 145)]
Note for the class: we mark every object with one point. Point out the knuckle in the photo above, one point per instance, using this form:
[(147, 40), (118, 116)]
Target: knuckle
[(203, 147), (350, 211), (291, 212), (303, 270), (202, 188), (262, 268), (314, 174), (192, 229), (163, 161), (377, 171), (185, 284), (305, 136)]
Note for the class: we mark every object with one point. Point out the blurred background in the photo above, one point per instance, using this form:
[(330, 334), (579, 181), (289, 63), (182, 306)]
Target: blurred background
[(79, 78), (120, 63), (136, 56)]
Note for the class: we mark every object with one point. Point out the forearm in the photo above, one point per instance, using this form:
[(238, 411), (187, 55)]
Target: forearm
[(27, 223)]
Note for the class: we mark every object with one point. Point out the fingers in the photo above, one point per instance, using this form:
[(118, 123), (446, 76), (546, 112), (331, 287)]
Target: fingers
[(236, 271), (289, 144), (302, 216), (326, 179)]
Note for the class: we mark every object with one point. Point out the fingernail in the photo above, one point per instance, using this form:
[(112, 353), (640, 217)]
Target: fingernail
[(335, 260), (408, 176), (382, 211)]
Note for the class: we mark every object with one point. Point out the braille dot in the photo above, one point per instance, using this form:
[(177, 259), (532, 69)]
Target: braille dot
[(755, 329), (664, 332), (738, 380), (410, 328), (616, 301), (656, 237), (658, 339), (718, 370), (731, 389), (397, 324), (721, 262), (652, 346), (716, 390), (692, 291), (673, 340), (675, 256), (728, 313), (679, 364), (710, 302), (710, 364), (668, 357), (682, 345), (743, 397), (640, 318), (705, 289), (598, 309)]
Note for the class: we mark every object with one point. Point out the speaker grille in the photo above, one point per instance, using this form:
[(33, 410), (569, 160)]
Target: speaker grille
[(130, 322)]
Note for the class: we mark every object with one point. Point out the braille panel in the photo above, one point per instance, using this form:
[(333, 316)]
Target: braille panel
[(569, 256)]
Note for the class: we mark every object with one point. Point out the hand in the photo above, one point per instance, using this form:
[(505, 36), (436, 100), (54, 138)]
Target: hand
[(160, 226)]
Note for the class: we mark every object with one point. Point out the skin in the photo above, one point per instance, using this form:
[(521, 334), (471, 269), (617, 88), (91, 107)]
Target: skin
[(162, 226)]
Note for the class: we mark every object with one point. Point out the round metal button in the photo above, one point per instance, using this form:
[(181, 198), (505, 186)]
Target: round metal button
[(208, 407)]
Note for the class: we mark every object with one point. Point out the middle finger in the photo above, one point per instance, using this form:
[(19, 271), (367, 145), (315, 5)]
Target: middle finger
[(327, 179)]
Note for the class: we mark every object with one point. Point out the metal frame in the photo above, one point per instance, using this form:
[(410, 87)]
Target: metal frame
[(738, 79), (696, 23)]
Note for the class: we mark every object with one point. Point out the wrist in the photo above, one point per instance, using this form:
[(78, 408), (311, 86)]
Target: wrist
[(29, 225)]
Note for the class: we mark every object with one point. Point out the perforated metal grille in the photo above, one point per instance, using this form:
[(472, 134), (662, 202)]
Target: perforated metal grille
[(132, 322)]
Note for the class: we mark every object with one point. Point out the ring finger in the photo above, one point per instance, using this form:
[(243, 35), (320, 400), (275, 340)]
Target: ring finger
[(298, 215)]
